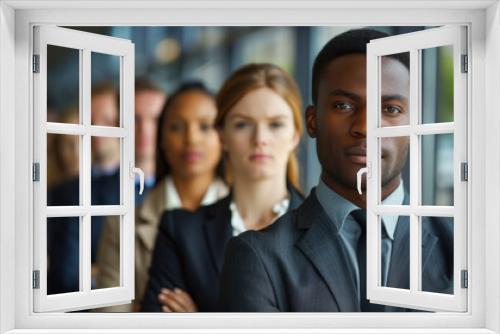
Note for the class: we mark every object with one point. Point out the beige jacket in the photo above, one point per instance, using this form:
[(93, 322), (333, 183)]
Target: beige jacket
[(147, 219)]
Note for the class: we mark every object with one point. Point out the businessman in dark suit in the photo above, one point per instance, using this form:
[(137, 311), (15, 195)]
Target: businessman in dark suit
[(313, 259)]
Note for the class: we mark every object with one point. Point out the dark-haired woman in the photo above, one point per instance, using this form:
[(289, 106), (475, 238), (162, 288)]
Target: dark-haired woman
[(259, 122), (188, 168)]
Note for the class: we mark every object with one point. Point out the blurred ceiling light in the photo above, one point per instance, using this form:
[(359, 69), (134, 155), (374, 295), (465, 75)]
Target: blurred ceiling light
[(167, 50), (213, 36)]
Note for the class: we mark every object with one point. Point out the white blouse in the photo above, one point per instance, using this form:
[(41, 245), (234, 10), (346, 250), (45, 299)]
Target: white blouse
[(237, 223), (215, 191)]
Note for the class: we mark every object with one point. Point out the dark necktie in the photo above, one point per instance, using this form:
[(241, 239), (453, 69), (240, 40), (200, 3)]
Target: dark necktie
[(366, 306)]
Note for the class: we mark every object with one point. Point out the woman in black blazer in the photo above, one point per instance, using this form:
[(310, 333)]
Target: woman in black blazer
[(259, 122)]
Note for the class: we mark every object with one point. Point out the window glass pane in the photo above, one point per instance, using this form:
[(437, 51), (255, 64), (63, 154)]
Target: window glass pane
[(110, 263), (63, 255), (394, 270), (106, 156), (394, 168), (395, 90), (105, 99), (437, 85), (63, 84), (437, 169), (437, 254), (63, 169)]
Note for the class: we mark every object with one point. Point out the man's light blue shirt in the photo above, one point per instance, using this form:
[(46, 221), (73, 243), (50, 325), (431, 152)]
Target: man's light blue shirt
[(339, 211)]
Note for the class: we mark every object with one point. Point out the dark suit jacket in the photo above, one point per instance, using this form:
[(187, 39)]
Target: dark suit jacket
[(189, 252), (298, 264)]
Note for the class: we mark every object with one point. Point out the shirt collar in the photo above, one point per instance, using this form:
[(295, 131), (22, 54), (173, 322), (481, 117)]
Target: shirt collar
[(395, 198), (173, 201), (237, 223), (338, 208), (212, 194)]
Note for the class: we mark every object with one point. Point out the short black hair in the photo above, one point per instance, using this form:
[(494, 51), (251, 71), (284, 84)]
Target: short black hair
[(349, 42)]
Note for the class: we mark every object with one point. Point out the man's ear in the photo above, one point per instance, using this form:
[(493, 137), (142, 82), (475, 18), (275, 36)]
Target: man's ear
[(311, 121)]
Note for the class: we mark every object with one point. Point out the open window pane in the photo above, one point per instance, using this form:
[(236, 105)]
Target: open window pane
[(63, 170), (395, 90), (394, 157), (112, 225), (105, 76), (394, 271), (437, 84), (106, 157), (63, 76), (437, 275), (63, 255), (437, 169)]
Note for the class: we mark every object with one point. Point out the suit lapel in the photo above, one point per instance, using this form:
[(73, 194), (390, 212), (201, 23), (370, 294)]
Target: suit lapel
[(149, 215), (321, 244), (296, 198), (399, 272), (218, 230), (428, 242)]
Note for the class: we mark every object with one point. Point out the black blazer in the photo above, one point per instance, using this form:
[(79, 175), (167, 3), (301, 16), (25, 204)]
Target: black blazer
[(189, 253), (298, 264)]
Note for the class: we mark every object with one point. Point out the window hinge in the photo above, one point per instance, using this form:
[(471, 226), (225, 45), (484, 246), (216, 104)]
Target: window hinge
[(465, 279), (36, 279), (36, 172), (465, 64), (36, 63), (464, 171)]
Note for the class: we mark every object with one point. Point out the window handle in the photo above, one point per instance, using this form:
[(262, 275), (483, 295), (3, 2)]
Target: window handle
[(364, 170), (137, 171)]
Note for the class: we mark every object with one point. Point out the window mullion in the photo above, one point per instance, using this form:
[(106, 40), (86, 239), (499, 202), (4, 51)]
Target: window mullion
[(85, 167), (414, 171), (127, 229)]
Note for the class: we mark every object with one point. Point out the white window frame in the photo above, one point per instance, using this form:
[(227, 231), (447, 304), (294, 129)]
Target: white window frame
[(16, 21), (85, 44), (413, 43)]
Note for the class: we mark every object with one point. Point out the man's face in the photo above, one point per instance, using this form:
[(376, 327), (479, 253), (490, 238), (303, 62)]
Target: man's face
[(338, 121), (104, 109), (104, 112), (148, 106)]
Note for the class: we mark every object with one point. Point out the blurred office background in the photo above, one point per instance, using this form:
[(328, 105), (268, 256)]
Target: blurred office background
[(171, 55)]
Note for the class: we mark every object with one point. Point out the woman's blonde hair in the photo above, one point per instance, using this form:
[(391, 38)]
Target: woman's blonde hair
[(254, 76)]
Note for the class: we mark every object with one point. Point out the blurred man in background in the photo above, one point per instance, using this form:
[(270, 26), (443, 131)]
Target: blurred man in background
[(149, 101), (105, 111)]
